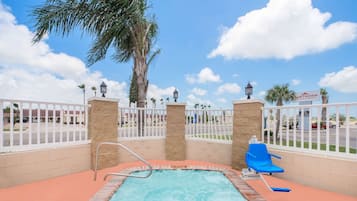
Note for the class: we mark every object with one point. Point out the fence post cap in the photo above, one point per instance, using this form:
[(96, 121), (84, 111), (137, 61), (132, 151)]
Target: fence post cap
[(103, 99), (248, 101), (176, 104)]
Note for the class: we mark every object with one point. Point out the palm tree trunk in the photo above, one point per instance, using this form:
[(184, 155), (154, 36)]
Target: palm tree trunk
[(140, 70), (84, 106), (324, 111), (323, 116), (277, 123), (277, 134), (84, 97), (141, 81)]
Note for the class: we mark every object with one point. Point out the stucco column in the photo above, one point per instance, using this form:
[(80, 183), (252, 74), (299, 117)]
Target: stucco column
[(247, 121), (175, 146), (103, 127)]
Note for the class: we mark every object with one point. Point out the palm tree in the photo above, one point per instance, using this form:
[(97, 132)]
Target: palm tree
[(121, 24), (83, 87), (280, 94), (324, 99), (153, 100), (16, 111), (95, 90), (133, 91)]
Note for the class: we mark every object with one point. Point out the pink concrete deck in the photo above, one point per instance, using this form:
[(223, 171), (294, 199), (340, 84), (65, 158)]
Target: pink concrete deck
[(80, 186)]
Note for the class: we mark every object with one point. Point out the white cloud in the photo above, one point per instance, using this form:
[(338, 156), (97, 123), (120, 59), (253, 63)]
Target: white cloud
[(254, 83), (198, 91), (295, 82), (284, 30), (190, 78), (235, 75), (204, 76), (156, 92), (262, 93), (16, 49), (35, 72), (192, 100), (344, 80), (21, 84), (232, 88), (222, 100)]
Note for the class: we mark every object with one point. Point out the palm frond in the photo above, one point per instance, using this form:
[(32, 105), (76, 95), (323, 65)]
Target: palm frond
[(59, 16), (121, 24), (153, 55), (280, 94), (323, 92)]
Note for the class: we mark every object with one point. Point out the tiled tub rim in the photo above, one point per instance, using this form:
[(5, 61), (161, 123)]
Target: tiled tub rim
[(108, 190)]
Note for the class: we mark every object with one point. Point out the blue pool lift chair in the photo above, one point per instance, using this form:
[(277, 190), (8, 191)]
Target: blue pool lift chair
[(258, 159)]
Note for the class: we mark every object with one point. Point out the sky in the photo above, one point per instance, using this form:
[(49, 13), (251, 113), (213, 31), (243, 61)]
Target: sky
[(210, 50)]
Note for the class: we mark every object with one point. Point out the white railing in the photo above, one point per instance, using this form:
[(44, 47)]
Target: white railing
[(26, 125), (141, 123), (209, 125), (329, 129)]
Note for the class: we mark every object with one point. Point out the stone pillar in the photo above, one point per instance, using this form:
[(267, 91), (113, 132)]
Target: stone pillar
[(175, 146), (247, 121), (103, 127)]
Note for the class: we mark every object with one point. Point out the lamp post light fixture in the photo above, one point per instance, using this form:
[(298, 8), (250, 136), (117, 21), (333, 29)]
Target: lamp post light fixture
[(103, 89), (248, 90), (175, 95)]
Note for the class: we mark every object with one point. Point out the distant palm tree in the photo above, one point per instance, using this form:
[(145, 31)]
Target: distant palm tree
[(324, 99), (95, 90), (196, 106), (83, 87), (16, 111), (162, 101), (121, 24), (280, 94), (153, 100)]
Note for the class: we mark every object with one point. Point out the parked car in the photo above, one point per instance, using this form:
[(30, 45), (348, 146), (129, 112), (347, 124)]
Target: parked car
[(323, 125)]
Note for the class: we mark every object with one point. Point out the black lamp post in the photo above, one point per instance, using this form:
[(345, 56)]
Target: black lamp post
[(103, 89), (175, 95), (248, 90)]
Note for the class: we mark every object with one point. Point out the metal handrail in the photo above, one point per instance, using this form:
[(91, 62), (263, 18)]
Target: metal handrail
[(120, 174)]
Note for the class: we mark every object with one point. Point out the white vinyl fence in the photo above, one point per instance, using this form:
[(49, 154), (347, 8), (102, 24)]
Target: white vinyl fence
[(141, 123), (209, 125), (325, 129), (26, 125)]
